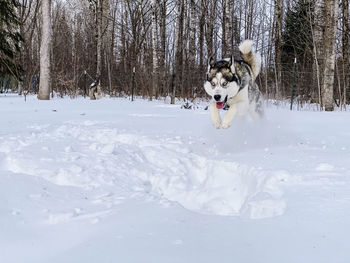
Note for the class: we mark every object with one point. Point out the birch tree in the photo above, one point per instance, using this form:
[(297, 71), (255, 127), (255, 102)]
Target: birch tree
[(229, 21), (278, 19), (330, 35), (178, 48), (201, 34), (318, 38), (45, 60), (225, 21), (345, 47), (155, 64), (99, 14), (210, 12), (163, 44), (192, 45)]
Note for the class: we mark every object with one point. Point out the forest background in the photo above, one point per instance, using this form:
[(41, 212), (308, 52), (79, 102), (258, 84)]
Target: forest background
[(160, 48)]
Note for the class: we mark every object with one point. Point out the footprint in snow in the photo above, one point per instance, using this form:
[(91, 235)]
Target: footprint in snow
[(324, 167), (178, 242)]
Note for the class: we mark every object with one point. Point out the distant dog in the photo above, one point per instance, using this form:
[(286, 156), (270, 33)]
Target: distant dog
[(231, 83), (95, 90)]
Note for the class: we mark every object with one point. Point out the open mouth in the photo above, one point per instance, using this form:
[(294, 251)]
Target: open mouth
[(221, 104)]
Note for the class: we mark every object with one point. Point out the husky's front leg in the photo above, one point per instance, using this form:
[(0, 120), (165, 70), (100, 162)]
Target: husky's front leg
[(215, 115), (228, 118)]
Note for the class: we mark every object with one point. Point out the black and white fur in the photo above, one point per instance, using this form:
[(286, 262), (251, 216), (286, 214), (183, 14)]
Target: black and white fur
[(231, 83)]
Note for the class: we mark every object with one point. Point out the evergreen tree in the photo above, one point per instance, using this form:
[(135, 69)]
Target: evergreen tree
[(10, 39), (297, 42), (297, 36)]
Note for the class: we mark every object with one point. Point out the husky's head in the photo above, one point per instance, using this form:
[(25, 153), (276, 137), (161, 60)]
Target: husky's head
[(222, 81)]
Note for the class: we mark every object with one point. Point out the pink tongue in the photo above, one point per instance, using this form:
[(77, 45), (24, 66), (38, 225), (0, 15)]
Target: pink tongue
[(220, 105)]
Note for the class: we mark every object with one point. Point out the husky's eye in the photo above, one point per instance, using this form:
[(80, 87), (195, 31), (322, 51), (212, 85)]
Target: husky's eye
[(212, 83), (224, 84)]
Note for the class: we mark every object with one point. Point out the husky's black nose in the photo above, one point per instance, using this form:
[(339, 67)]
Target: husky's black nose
[(217, 97)]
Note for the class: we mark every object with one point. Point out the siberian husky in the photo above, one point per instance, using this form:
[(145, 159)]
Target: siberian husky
[(231, 83)]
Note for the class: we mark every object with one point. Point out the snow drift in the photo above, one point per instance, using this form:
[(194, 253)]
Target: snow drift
[(93, 154), (95, 181)]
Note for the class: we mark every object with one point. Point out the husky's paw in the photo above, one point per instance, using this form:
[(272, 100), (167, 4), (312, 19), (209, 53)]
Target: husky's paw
[(217, 124), (226, 124)]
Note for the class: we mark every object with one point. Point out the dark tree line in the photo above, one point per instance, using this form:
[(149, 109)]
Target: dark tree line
[(10, 40)]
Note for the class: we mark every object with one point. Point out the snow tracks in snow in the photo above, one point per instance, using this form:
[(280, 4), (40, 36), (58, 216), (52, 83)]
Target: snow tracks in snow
[(164, 168)]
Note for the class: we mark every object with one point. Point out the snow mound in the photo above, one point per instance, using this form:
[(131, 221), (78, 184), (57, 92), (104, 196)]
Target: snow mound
[(91, 155), (324, 167), (220, 188)]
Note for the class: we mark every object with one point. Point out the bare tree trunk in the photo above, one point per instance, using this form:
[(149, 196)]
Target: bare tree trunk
[(201, 35), (184, 40), (329, 56), (154, 89), (99, 13), (235, 28), (223, 29), (226, 28), (248, 19), (111, 48), (163, 11), (192, 44), (191, 66), (228, 33), (210, 24), (318, 40), (178, 49), (123, 38), (45, 60), (345, 47), (102, 15), (278, 42)]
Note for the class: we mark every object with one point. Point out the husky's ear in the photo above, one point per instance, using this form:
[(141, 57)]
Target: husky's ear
[(232, 64), (211, 63), (230, 60)]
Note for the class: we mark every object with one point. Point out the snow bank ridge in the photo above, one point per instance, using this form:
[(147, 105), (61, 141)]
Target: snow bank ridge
[(159, 167)]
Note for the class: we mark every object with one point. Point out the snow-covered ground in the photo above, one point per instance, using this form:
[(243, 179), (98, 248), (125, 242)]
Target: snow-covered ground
[(119, 181)]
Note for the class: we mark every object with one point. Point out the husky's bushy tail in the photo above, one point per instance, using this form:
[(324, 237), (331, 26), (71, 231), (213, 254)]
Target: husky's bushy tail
[(250, 57)]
